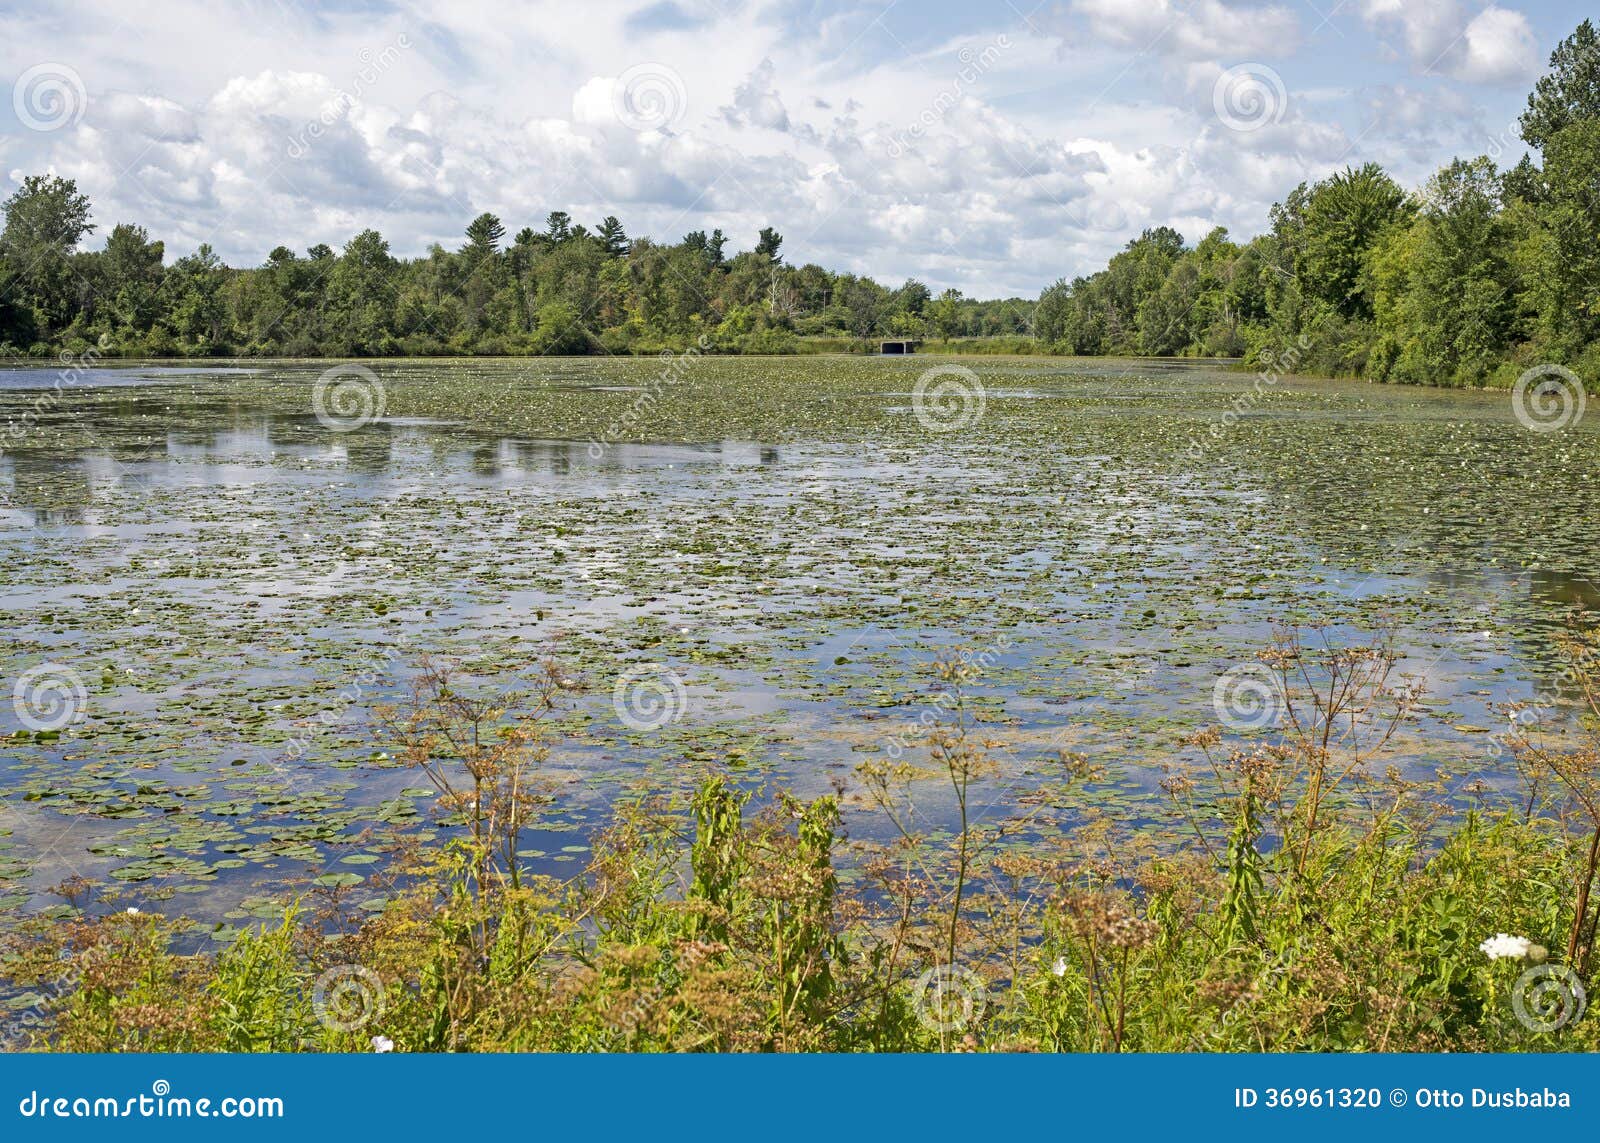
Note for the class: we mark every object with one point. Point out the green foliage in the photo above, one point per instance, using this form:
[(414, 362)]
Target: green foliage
[(1569, 92), (1335, 915), (1478, 271), (560, 330), (1564, 264), (1443, 286), (44, 221), (259, 1002), (1377, 949), (559, 290), (1239, 905), (484, 234), (1344, 218), (713, 859)]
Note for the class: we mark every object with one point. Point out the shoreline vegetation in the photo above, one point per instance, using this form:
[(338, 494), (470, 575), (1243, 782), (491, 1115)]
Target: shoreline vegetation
[(1323, 902), (1474, 279), (1303, 880)]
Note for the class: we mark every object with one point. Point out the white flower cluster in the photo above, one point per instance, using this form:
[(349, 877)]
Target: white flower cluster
[(1501, 945)]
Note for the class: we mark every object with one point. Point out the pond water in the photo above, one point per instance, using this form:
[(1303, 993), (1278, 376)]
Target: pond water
[(211, 577)]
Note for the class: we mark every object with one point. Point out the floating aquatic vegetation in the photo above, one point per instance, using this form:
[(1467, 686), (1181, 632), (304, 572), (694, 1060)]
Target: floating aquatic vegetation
[(237, 587)]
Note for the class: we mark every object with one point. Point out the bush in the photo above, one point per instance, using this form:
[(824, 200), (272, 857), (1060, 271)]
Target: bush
[(1315, 911)]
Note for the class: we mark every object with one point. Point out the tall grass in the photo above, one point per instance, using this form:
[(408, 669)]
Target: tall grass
[(1318, 904)]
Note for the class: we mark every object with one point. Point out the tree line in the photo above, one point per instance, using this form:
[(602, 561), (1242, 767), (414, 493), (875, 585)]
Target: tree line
[(1479, 273), (562, 289)]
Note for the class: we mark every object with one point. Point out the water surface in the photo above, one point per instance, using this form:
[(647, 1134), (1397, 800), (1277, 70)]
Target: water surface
[(237, 582)]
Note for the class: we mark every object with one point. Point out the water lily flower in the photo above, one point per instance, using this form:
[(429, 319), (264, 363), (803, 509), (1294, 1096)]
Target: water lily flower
[(1501, 945), (1060, 966), (132, 912), (381, 1044)]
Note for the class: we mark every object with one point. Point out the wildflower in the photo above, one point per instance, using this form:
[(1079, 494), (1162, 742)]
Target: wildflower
[(381, 1044), (1107, 921), (1501, 945), (1060, 966)]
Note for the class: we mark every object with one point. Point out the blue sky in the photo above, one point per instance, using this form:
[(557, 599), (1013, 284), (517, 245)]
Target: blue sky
[(989, 146)]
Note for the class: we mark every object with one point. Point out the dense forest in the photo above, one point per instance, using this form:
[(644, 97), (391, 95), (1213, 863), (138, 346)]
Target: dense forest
[(565, 289), (1476, 274), (1479, 272)]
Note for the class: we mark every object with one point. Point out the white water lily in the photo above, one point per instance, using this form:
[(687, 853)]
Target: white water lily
[(381, 1044), (132, 912), (1060, 966), (1501, 945)]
